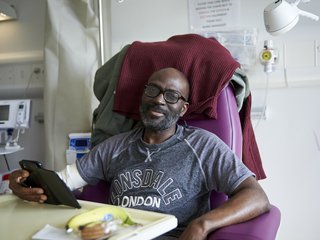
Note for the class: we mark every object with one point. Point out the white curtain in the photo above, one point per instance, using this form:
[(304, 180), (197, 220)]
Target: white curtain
[(71, 59)]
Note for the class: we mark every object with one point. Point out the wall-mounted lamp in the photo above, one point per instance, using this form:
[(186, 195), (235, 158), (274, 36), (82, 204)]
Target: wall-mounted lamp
[(7, 12), (281, 16)]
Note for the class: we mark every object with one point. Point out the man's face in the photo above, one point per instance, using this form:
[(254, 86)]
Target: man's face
[(157, 117), (156, 113)]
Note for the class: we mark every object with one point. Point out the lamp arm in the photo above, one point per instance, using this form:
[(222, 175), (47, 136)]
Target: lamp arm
[(295, 3), (304, 13), (308, 15)]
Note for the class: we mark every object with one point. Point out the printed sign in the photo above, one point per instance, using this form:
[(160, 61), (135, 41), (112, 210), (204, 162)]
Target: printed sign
[(210, 15)]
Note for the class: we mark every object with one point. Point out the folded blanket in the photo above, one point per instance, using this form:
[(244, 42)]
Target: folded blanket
[(208, 65)]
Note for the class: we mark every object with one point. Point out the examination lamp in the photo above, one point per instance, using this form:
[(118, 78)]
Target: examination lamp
[(7, 12), (281, 16)]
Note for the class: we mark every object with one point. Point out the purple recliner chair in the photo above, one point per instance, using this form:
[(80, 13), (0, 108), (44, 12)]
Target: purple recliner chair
[(228, 128)]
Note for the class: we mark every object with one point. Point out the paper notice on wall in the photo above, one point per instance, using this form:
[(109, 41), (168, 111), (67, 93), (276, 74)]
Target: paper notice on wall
[(212, 15)]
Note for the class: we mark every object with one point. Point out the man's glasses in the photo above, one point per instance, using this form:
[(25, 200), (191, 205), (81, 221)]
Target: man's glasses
[(170, 96)]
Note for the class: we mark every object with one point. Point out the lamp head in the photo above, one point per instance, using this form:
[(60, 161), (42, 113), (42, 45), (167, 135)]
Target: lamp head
[(7, 12), (281, 16)]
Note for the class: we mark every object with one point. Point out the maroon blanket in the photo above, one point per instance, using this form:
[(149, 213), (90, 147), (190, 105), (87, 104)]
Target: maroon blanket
[(208, 66)]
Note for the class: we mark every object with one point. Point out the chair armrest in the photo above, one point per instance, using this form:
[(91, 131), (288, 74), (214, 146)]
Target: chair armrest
[(94, 193), (263, 227)]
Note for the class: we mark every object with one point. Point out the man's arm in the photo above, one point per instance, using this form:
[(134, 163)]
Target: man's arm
[(247, 201), (69, 175)]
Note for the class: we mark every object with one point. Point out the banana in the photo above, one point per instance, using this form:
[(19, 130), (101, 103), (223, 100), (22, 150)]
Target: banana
[(99, 214)]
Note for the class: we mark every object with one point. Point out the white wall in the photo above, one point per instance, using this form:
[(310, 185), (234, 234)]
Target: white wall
[(21, 49), (25, 34), (289, 149), (291, 158)]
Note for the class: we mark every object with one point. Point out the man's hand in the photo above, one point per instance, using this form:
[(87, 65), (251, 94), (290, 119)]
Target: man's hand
[(16, 180), (194, 231)]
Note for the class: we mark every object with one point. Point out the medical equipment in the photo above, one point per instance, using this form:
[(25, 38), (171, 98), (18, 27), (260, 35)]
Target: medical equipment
[(79, 144), (268, 56), (281, 16), (14, 115)]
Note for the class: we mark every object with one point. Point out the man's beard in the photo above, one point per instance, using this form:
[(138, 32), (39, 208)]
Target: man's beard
[(170, 118)]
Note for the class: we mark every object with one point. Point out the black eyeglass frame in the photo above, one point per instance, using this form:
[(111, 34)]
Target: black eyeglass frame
[(163, 92)]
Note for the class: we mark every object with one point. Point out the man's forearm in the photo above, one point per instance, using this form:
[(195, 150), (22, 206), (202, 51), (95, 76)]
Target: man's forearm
[(245, 205), (247, 202)]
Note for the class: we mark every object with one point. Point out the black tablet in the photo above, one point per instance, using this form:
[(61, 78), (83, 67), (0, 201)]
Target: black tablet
[(56, 190)]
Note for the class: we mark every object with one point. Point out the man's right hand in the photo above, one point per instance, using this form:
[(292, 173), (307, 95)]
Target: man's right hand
[(16, 179)]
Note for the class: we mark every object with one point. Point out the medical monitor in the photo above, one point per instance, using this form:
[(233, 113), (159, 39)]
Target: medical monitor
[(14, 113)]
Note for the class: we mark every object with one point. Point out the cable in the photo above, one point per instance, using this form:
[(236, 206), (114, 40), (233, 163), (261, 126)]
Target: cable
[(36, 70)]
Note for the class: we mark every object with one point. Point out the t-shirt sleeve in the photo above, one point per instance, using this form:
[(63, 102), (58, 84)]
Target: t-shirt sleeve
[(91, 167), (223, 170), (95, 165)]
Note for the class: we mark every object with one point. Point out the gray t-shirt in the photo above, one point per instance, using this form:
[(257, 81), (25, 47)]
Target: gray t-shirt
[(173, 177)]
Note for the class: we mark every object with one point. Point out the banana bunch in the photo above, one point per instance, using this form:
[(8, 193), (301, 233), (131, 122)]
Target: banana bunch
[(96, 215)]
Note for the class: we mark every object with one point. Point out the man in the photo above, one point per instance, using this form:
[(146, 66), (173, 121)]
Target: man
[(166, 167)]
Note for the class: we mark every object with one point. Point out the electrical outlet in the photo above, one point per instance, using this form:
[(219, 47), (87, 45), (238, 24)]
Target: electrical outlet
[(259, 112), (37, 72)]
